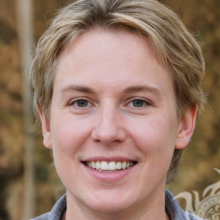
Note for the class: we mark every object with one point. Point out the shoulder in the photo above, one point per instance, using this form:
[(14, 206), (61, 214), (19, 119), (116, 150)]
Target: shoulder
[(57, 211), (175, 211), (42, 217)]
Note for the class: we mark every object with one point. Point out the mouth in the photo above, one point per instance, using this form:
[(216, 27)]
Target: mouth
[(109, 167)]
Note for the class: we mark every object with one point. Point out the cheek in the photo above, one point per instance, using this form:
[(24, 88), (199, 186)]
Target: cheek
[(69, 137), (69, 133), (155, 137)]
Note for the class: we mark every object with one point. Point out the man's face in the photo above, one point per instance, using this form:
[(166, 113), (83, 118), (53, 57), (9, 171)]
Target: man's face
[(112, 102)]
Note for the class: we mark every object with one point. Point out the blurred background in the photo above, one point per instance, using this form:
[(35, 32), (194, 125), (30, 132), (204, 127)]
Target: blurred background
[(37, 176)]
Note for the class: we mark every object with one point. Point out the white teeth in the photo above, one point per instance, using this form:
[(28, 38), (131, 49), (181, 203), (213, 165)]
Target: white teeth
[(123, 165), (118, 166), (90, 163), (103, 166), (98, 165), (112, 166), (93, 165)]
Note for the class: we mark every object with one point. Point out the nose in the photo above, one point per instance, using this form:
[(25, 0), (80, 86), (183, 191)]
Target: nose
[(108, 128)]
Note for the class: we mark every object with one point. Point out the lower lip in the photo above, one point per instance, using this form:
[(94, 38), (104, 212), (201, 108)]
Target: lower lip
[(110, 177)]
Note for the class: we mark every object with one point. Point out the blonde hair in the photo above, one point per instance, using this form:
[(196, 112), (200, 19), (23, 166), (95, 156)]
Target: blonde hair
[(167, 36)]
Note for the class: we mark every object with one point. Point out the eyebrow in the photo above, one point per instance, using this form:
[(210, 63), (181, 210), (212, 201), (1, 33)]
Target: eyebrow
[(143, 89), (85, 89), (78, 88)]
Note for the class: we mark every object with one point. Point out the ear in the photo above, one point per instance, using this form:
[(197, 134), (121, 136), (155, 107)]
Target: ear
[(186, 128), (45, 129)]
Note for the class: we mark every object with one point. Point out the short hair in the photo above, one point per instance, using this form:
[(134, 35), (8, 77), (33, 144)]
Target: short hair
[(167, 36)]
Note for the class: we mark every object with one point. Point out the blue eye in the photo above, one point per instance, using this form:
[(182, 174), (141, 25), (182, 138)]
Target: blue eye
[(81, 103), (138, 103)]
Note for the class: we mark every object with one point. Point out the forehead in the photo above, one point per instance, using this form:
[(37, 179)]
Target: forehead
[(113, 58)]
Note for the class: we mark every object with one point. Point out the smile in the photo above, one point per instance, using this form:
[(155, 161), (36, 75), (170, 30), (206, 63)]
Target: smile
[(109, 167)]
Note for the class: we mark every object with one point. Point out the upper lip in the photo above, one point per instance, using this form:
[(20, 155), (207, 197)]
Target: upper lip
[(108, 159)]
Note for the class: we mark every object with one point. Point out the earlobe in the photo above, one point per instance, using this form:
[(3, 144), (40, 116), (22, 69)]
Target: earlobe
[(45, 129), (187, 125)]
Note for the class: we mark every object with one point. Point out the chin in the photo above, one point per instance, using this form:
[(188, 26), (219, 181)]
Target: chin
[(110, 206), (109, 202)]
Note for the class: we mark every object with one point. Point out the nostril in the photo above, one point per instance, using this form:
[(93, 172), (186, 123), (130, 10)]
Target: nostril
[(108, 136)]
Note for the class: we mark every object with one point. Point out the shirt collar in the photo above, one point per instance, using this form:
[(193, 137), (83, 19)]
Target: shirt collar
[(58, 209)]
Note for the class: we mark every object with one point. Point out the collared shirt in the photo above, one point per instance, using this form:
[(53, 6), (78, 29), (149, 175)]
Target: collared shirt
[(172, 208)]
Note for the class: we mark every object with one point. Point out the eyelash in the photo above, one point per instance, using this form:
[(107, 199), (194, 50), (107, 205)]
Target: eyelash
[(145, 102), (72, 102)]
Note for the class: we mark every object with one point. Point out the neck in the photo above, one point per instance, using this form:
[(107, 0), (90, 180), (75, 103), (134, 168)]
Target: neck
[(150, 210), (64, 216)]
